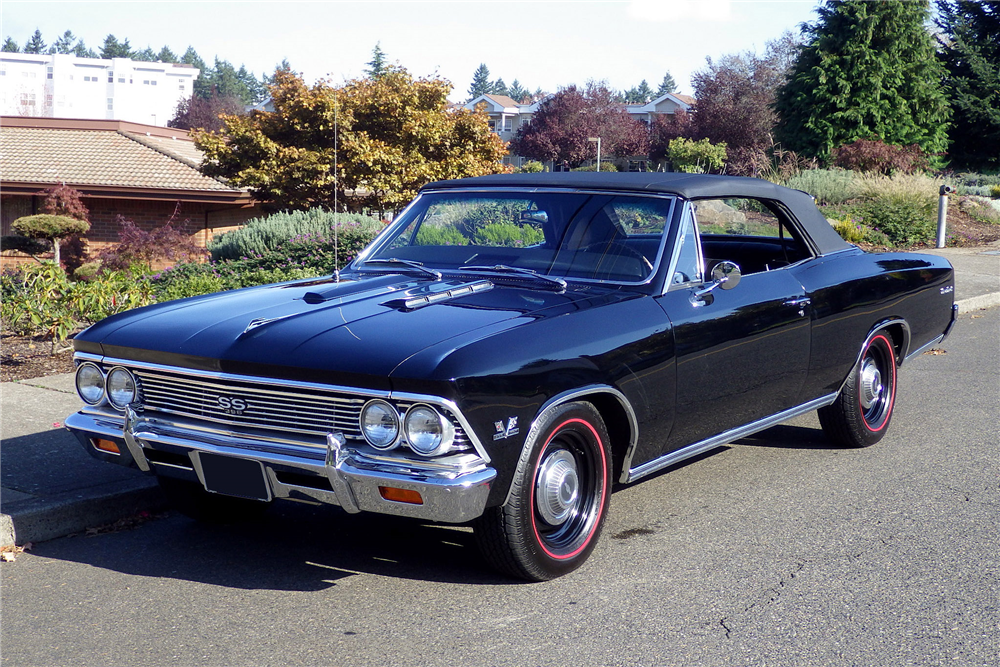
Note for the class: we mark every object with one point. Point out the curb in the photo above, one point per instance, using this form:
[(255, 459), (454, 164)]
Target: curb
[(980, 302), (37, 520)]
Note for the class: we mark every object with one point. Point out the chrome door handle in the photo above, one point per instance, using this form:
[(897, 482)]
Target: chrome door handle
[(799, 302)]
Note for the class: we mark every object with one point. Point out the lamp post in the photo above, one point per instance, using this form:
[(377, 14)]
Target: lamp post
[(598, 140)]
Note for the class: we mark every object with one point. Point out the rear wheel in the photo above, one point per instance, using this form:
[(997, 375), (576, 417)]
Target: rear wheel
[(192, 500), (861, 414), (558, 500)]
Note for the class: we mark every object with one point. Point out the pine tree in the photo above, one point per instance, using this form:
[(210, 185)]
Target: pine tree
[(641, 94), (112, 48), (517, 92), (166, 55), (971, 53), (147, 55), (81, 51), (35, 44), (481, 84), (499, 88), (668, 85), (64, 44), (10, 46), (377, 66), (868, 70)]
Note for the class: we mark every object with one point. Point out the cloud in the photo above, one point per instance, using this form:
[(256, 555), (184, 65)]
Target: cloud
[(679, 10)]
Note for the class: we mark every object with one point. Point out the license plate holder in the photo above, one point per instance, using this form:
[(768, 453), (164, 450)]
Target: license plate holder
[(233, 476)]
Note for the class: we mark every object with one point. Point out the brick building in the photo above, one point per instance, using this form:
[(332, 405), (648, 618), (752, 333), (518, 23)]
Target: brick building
[(124, 170)]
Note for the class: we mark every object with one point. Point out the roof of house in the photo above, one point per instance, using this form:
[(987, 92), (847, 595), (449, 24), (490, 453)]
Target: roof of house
[(504, 100), (106, 158)]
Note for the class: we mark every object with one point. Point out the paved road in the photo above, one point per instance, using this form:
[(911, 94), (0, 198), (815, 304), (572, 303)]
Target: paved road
[(778, 550)]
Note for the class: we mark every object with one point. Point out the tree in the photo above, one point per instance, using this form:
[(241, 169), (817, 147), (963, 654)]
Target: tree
[(378, 65), (380, 139), (166, 55), (499, 88), (970, 51), (868, 69), (481, 84), (147, 55), (204, 113), (62, 215), (664, 128), (561, 129), (735, 95), (517, 92), (668, 85), (81, 51), (112, 48), (64, 44), (35, 44), (640, 94), (10, 46)]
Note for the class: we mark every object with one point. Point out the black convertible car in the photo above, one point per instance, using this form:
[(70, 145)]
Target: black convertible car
[(508, 349)]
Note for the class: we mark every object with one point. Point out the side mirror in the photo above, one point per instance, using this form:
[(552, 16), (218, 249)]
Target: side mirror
[(726, 275)]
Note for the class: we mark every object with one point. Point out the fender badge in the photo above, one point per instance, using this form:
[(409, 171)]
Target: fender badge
[(505, 432)]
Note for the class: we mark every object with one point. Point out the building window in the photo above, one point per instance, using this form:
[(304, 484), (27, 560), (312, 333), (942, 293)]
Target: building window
[(121, 79), (111, 104), (48, 72), (508, 124), (111, 76)]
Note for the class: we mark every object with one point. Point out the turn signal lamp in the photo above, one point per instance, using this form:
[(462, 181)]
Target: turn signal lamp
[(401, 495), (106, 445)]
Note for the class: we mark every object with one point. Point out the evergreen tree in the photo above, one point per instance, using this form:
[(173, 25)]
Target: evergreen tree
[(202, 85), (640, 94), (10, 46), (147, 55), (868, 70), (166, 55), (668, 85), (499, 88), (256, 91), (64, 44), (517, 92), (81, 51), (112, 48), (481, 84), (377, 66), (35, 44), (971, 53)]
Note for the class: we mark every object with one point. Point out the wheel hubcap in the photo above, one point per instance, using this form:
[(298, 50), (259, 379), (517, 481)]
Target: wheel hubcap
[(871, 383), (557, 488)]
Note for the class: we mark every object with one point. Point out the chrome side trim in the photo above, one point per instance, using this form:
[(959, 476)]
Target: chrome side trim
[(723, 438), (923, 348), (567, 396)]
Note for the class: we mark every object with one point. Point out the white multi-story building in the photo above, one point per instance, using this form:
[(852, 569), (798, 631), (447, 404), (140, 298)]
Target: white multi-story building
[(65, 86)]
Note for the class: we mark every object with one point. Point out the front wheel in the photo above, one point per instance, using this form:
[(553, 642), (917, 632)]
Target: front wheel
[(861, 414), (558, 500)]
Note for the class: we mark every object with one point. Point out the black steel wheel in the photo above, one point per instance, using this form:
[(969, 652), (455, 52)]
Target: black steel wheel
[(558, 500), (861, 414), (192, 500)]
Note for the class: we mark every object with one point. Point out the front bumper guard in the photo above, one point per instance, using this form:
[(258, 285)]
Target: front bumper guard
[(450, 496)]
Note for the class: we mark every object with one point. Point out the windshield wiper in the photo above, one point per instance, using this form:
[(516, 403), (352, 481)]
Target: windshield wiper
[(416, 266), (527, 273)]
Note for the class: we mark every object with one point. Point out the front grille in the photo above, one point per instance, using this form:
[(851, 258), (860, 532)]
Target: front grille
[(249, 404)]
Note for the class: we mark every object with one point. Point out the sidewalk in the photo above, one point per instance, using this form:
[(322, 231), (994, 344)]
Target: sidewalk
[(52, 488)]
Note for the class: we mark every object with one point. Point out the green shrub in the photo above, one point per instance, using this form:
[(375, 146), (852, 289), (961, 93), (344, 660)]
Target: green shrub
[(261, 235), (508, 235), (828, 186), (606, 166), (531, 167), (432, 234), (856, 232), (995, 192), (696, 157)]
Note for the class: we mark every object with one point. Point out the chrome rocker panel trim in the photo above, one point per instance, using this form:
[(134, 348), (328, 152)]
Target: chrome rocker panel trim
[(724, 438), (450, 496)]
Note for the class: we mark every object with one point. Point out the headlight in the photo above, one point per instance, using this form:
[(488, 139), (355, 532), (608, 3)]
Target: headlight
[(121, 387), (427, 431), (90, 383), (380, 424)]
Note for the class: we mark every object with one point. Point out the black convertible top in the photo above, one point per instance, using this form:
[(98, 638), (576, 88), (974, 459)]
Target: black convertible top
[(688, 186)]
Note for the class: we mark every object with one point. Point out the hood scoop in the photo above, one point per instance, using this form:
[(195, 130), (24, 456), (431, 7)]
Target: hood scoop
[(427, 297)]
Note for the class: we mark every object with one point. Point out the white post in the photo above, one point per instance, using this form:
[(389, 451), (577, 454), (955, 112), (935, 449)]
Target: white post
[(598, 140), (943, 214)]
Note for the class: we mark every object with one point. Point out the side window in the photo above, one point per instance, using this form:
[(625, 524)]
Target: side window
[(736, 217), (688, 266), (750, 232)]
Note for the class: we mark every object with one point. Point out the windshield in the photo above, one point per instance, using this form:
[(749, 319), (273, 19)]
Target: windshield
[(588, 236)]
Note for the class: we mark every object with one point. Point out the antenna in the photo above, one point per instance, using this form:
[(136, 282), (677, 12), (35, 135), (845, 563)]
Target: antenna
[(336, 186)]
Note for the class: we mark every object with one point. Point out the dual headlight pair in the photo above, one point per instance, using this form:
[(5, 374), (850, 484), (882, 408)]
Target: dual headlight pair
[(424, 429), (118, 386)]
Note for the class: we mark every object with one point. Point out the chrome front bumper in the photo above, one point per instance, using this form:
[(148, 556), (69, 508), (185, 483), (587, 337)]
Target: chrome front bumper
[(341, 475)]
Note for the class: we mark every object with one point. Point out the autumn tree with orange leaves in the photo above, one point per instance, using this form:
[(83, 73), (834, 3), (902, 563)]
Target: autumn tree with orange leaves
[(376, 139)]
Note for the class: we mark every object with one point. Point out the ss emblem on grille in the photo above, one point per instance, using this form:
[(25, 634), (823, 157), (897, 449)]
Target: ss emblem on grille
[(231, 405)]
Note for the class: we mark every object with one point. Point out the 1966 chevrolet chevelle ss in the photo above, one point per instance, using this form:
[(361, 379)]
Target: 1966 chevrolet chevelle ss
[(508, 349)]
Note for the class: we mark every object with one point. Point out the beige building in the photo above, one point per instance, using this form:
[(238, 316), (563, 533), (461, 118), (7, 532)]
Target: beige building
[(65, 86)]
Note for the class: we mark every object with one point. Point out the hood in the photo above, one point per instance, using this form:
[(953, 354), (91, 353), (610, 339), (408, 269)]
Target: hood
[(322, 330)]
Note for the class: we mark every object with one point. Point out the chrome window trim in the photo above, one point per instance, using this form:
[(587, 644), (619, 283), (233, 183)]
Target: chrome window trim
[(375, 245), (726, 437), (668, 283)]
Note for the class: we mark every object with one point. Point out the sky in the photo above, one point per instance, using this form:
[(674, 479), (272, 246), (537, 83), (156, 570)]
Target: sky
[(547, 45)]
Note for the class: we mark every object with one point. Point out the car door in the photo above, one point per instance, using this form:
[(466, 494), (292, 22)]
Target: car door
[(742, 354)]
